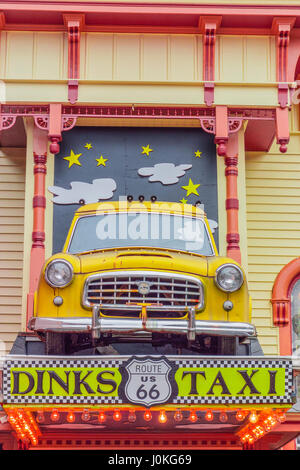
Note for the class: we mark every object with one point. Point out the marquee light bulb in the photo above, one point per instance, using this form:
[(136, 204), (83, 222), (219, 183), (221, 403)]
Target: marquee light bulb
[(40, 417), (281, 416), (101, 417), (162, 417), (71, 417), (223, 417), (253, 418), (193, 416), (85, 416), (132, 416), (117, 415), (54, 415), (240, 416), (147, 415), (209, 415), (178, 416)]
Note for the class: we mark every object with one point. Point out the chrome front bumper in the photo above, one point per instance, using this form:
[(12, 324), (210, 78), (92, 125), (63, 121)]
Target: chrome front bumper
[(100, 325)]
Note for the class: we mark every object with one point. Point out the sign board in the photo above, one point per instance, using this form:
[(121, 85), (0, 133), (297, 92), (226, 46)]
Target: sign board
[(147, 381), (97, 164)]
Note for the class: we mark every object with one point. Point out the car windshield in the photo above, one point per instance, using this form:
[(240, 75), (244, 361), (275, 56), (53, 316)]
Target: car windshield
[(136, 229)]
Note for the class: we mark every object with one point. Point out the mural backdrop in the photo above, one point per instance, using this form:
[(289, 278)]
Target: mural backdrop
[(105, 163)]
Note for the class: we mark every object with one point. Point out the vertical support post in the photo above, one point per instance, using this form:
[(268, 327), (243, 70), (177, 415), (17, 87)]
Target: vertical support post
[(74, 25), (208, 26), (232, 201), (37, 256), (55, 126), (221, 131)]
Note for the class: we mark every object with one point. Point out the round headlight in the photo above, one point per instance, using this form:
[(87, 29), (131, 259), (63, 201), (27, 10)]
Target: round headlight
[(59, 273), (229, 278)]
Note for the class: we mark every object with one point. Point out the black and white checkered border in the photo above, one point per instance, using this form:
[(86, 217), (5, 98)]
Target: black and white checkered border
[(60, 400), (63, 363), (225, 400), (220, 363)]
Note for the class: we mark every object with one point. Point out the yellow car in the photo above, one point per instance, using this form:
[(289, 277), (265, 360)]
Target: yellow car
[(142, 274)]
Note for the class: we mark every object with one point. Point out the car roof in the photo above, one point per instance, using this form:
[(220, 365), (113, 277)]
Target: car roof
[(161, 206)]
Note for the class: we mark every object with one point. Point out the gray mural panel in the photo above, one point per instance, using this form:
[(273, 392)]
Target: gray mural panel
[(105, 163)]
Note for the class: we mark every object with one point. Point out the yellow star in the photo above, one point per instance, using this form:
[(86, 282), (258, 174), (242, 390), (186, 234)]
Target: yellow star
[(88, 146), (73, 158), (101, 161), (183, 201), (147, 150), (191, 188), (198, 153)]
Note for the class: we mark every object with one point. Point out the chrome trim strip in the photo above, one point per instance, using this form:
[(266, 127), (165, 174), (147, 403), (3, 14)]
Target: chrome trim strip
[(120, 274), (132, 326)]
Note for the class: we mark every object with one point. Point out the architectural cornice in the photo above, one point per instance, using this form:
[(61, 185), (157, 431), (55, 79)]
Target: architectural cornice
[(243, 18)]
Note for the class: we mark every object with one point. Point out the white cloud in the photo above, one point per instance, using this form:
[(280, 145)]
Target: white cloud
[(165, 173), (84, 193)]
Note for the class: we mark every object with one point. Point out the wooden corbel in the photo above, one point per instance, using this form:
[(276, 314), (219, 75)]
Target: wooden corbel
[(282, 128), (74, 24), (282, 27), (208, 26)]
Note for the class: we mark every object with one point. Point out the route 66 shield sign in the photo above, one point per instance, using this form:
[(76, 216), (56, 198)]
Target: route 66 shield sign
[(148, 381)]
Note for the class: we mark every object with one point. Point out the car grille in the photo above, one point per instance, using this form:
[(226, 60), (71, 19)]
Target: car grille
[(117, 293)]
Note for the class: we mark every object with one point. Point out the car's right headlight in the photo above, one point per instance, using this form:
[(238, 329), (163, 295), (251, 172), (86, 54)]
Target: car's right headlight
[(229, 277), (59, 273)]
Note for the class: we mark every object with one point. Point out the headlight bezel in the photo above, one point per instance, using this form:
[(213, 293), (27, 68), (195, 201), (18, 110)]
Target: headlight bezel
[(229, 265), (49, 265)]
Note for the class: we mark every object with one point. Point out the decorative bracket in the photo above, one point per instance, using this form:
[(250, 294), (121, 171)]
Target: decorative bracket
[(282, 27), (55, 123), (281, 296), (74, 24), (282, 128), (208, 26)]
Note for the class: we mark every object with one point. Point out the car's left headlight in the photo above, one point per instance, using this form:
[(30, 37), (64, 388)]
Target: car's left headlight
[(59, 273), (229, 277)]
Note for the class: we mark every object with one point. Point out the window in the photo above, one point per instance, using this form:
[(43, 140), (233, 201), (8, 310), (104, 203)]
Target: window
[(295, 317)]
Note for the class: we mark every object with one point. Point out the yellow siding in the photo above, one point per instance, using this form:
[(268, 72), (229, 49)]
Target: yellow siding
[(12, 190), (137, 57), (245, 59), (273, 223)]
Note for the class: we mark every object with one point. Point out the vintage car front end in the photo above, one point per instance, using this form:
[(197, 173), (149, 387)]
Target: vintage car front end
[(129, 292)]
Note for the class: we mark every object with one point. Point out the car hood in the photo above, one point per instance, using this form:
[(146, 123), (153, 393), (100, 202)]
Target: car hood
[(140, 258)]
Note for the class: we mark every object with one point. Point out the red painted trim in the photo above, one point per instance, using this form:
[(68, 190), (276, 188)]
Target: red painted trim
[(281, 303), (232, 201), (282, 128), (208, 26), (74, 24), (282, 28)]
